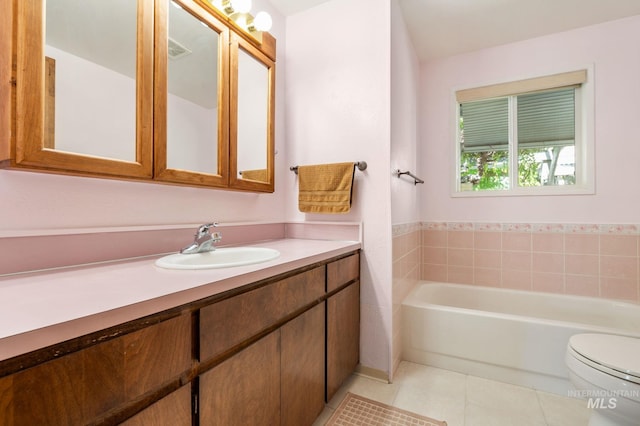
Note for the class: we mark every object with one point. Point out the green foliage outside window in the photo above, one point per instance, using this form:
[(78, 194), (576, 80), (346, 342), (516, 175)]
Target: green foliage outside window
[(528, 168), (489, 170)]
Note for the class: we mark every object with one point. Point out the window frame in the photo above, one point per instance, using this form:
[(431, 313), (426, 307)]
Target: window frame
[(584, 139)]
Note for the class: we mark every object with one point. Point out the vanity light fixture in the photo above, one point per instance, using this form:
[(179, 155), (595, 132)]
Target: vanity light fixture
[(238, 12), (241, 6)]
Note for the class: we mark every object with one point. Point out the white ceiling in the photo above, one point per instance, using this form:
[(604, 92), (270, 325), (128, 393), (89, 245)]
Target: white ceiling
[(441, 28)]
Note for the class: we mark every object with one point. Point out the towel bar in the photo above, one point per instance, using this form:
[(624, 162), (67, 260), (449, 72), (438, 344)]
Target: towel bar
[(361, 165), (416, 179)]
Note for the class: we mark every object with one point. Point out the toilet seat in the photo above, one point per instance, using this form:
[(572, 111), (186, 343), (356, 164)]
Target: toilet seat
[(618, 356)]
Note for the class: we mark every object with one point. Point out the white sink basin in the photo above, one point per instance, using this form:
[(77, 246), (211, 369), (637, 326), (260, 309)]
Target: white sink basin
[(225, 257)]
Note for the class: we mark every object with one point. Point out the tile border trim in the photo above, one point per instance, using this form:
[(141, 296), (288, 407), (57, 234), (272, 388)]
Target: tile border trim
[(567, 228)]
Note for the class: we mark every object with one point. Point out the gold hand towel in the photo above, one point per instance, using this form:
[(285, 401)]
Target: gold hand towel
[(258, 174), (325, 188)]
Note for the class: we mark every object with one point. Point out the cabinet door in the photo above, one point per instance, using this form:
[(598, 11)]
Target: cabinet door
[(343, 336), (79, 387), (302, 362), (87, 107), (244, 389), (252, 106), (172, 410), (191, 95)]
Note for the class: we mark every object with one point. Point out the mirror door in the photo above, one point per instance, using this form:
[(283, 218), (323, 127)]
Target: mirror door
[(252, 108), (84, 86), (191, 94)]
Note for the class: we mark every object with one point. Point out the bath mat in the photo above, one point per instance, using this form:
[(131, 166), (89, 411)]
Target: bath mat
[(357, 410)]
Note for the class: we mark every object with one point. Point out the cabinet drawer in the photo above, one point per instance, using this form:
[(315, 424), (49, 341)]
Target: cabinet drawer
[(81, 386), (342, 271), (230, 322)]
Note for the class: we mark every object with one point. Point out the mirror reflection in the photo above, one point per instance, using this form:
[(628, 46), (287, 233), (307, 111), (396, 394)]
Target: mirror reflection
[(90, 70), (253, 117), (205, 108), (192, 102)]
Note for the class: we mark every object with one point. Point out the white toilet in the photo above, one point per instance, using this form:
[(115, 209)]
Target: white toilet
[(605, 369)]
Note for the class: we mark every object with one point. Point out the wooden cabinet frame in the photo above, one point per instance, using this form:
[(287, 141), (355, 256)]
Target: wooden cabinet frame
[(251, 185), (161, 171), (28, 149), (24, 143)]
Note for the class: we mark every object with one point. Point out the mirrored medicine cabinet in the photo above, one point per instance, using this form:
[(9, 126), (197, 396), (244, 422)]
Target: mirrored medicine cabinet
[(171, 91)]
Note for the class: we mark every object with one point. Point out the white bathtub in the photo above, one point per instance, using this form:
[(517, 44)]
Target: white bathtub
[(513, 336)]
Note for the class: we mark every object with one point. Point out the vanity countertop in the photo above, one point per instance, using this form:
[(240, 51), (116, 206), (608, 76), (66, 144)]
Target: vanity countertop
[(39, 309)]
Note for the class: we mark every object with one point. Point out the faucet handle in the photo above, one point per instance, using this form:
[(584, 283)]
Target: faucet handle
[(203, 240), (205, 229)]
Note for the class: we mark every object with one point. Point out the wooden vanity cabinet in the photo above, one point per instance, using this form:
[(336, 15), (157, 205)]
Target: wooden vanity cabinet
[(265, 354)]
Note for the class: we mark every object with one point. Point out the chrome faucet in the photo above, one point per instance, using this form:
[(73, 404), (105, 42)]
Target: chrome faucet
[(203, 240)]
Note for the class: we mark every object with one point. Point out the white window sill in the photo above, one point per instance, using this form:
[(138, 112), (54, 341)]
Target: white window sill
[(530, 191)]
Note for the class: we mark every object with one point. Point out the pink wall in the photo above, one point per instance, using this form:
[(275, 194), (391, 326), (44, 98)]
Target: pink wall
[(34, 201), (405, 72), (338, 109), (609, 47), (405, 195)]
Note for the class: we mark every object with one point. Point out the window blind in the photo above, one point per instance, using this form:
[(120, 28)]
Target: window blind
[(546, 119), (485, 125), (543, 119)]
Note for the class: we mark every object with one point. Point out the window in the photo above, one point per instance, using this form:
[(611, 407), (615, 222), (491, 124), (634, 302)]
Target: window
[(525, 137)]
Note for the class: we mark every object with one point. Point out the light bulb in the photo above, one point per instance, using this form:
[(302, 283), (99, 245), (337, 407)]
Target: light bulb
[(262, 21), (241, 6)]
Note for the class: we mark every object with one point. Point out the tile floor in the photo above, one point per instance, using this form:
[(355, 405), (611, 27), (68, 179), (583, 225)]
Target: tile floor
[(463, 400)]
